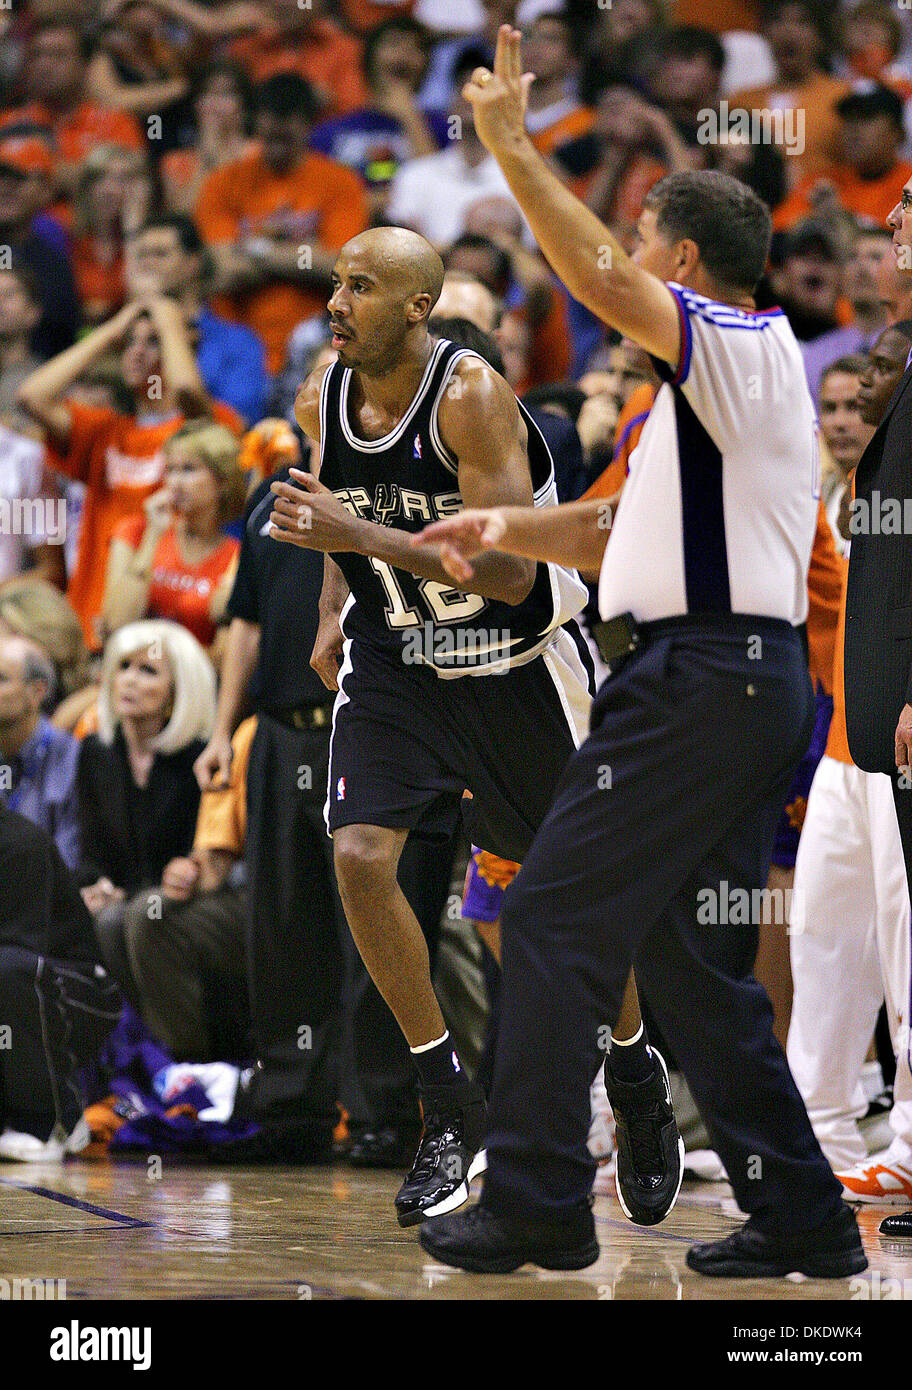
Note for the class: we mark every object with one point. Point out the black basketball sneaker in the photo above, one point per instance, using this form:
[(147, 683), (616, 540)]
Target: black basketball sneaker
[(449, 1153), (650, 1151)]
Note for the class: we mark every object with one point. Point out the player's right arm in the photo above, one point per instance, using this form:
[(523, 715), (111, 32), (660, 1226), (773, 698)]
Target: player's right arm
[(574, 535), (326, 656)]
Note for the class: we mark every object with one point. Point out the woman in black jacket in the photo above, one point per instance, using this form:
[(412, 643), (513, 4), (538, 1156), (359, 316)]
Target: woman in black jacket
[(138, 797)]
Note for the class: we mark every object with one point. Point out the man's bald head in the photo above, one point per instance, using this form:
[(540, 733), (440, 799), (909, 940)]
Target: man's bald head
[(465, 297), (399, 257), (27, 679)]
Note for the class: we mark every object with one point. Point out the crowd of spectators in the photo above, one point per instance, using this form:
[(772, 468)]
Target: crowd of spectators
[(176, 178)]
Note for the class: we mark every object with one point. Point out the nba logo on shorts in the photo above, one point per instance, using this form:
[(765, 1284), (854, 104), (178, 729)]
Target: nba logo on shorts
[(416, 452), (340, 789)]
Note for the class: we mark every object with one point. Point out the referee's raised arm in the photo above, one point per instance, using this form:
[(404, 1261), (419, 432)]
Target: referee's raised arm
[(579, 247)]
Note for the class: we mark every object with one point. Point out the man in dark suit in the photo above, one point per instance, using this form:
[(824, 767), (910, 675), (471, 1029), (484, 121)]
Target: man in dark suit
[(878, 640)]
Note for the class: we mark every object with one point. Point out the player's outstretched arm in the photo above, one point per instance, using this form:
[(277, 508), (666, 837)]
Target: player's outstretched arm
[(480, 423), (578, 246), (573, 534)]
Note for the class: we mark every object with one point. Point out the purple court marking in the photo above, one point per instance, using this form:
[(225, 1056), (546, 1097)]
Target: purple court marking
[(130, 1222)]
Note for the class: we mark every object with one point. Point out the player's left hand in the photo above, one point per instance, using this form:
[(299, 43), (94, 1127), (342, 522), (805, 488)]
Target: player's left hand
[(903, 739), (310, 515), (499, 99)]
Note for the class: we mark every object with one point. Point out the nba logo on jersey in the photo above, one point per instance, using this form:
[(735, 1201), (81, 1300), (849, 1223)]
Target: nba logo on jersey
[(416, 451), (340, 789), (456, 1066)]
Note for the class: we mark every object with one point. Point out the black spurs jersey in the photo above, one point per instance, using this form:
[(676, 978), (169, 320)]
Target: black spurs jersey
[(407, 479)]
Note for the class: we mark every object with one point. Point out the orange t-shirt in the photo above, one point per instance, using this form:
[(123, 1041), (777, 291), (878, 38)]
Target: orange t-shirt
[(838, 740), (121, 461), (627, 433), (100, 285), (872, 199), (329, 59), (817, 98), (322, 201), (179, 590), (568, 127)]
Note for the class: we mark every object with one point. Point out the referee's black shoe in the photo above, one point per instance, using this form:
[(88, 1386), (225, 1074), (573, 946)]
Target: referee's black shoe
[(449, 1153), (830, 1251), (486, 1243), (650, 1151), (898, 1225)]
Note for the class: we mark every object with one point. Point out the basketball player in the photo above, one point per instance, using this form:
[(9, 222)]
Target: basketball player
[(440, 690), (701, 723)]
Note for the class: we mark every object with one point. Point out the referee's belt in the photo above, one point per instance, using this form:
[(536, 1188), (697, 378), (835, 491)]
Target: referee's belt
[(617, 640), (305, 717)]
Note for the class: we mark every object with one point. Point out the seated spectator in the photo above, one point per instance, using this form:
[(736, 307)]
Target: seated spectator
[(111, 193), (20, 312), (33, 538), (872, 39), (845, 435), (630, 147), (138, 797), (865, 179), (32, 608), (492, 251), (37, 761), (188, 963), (118, 457), (176, 561), (807, 280), (57, 100), (871, 248), (377, 138), (464, 296), (24, 164), (687, 78), (616, 41), (554, 113), (291, 38), (136, 67), (894, 292), (223, 111), (57, 1001), (796, 35), (433, 194), (168, 256), (275, 221)]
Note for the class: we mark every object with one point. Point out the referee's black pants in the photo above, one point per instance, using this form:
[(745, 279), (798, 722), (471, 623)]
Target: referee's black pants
[(662, 816)]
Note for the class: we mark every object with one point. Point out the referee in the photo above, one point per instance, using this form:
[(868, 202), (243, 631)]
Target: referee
[(665, 817)]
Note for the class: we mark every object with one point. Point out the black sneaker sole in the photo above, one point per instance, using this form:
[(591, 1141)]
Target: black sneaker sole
[(576, 1257), (449, 1204), (642, 1216), (824, 1266)]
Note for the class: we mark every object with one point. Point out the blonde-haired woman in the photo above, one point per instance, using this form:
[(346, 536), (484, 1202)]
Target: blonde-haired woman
[(176, 561), (138, 797), (112, 200)]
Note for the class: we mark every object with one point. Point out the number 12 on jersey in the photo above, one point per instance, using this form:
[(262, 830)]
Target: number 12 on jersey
[(446, 605)]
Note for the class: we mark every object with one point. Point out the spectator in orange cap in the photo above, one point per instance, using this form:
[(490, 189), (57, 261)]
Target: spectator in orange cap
[(55, 82), (275, 220), (24, 167)]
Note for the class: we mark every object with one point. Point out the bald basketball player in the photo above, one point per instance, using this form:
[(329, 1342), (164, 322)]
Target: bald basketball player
[(439, 689)]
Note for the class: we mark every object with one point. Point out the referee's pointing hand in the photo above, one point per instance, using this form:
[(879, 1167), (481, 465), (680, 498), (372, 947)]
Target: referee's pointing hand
[(499, 99)]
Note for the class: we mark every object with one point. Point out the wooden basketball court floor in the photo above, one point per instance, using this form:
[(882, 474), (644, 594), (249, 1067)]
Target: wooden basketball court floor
[(113, 1231)]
